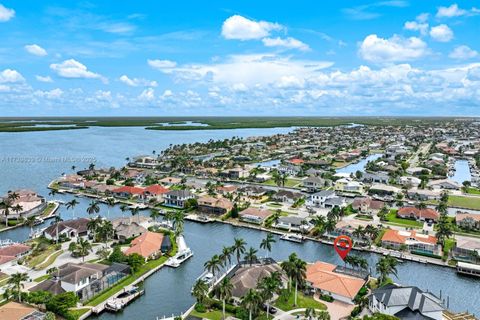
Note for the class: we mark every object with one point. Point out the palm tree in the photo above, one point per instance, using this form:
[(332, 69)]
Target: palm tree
[(444, 229), (15, 281), (93, 207), (154, 214), (224, 292), (299, 274), (213, 265), (239, 248), (251, 256), (319, 224), (30, 222), (84, 247), (105, 230), (71, 205), (110, 203), (93, 226), (251, 301), (58, 219), (226, 256), (266, 243), (268, 286), (53, 192), (200, 291), (17, 209), (178, 223), (6, 206), (385, 266), (134, 211)]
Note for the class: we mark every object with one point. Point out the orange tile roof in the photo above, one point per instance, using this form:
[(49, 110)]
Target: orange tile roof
[(127, 189), (15, 311), (321, 276), (402, 236), (146, 244), (427, 213), (156, 189)]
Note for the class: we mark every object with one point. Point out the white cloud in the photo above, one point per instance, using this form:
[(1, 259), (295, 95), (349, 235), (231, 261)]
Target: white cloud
[(135, 82), (463, 53), (44, 78), (147, 94), (289, 43), (75, 70), (239, 87), (165, 66), (11, 76), (52, 94), (395, 49), (416, 26), (36, 50), (241, 28), (441, 33), (422, 17), (6, 13), (452, 11)]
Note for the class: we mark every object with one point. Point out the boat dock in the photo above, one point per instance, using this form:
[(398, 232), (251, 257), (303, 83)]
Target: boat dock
[(123, 299)]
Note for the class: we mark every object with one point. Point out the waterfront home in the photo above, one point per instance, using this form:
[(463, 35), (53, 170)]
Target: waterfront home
[(170, 181), (409, 181), (410, 240), (444, 184), (469, 221), (289, 169), (154, 192), (348, 185), (136, 176), (150, 245), (318, 199), (146, 162), (17, 311), (9, 255), (347, 228), (313, 184), (212, 205), (253, 192), (367, 205), (70, 229), (325, 279), (224, 190), (124, 231), (84, 279), (416, 171), (423, 194), (294, 223), (99, 188), (467, 249), (427, 214), (245, 276), (405, 303), (384, 190), (72, 181), (235, 173), (287, 196), (127, 192), (30, 202), (376, 177), (254, 215), (178, 198)]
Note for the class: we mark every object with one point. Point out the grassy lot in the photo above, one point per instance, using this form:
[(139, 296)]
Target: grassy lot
[(464, 202), (78, 312), (288, 183), (42, 278), (392, 218), (213, 315), (34, 261), (49, 261), (473, 190), (48, 209), (302, 302), (449, 243)]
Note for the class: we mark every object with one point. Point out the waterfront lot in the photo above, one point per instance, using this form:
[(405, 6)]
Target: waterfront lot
[(464, 202)]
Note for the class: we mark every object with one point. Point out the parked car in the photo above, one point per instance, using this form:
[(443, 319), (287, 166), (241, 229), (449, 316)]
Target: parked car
[(272, 309)]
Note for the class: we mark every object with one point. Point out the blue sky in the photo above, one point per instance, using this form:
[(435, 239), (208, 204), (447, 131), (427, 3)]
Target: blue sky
[(239, 58)]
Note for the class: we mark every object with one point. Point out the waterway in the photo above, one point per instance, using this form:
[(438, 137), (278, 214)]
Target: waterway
[(33, 159), (358, 166), (462, 171)]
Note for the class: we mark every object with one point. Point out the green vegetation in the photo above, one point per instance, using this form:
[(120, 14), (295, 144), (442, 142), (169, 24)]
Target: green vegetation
[(213, 315), (286, 302), (288, 182), (49, 261), (472, 190), (464, 202), (391, 218), (42, 278)]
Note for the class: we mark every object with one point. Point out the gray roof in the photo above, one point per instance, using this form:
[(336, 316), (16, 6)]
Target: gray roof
[(292, 220), (324, 193), (409, 297), (180, 193)]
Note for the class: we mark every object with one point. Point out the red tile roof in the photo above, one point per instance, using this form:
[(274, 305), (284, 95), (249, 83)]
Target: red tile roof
[(146, 245), (14, 250), (401, 237), (156, 189), (127, 189), (427, 213)]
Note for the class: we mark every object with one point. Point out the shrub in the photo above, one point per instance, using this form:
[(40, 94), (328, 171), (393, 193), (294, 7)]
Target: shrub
[(356, 311), (326, 297), (200, 308)]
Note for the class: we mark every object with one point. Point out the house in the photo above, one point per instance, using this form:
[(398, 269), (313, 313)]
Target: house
[(212, 205), (409, 181), (313, 184), (347, 228), (236, 173), (293, 223), (170, 181), (467, 249), (254, 215), (427, 214), (289, 169), (423, 194), (287, 196), (148, 245), (469, 221), (30, 202), (178, 198), (348, 185), (377, 177), (411, 240), (84, 279), (17, 311), (384, 190), (367, 205), (146, 162), (323, 278), (247, 277), (224, 190), (11, 253), (444, 184), (70, 229), (416, 171), (128, 192), (405, 303), (255, 192), (72, 181), (318, 199), (125, 231), (154, 192)]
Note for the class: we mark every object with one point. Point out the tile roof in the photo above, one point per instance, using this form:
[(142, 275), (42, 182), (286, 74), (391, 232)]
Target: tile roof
[(15, 311), (427, 213), (322, 276), (14, 250), (402, 237), (257, 212), (128, 189), (156, 189), (147, 244)]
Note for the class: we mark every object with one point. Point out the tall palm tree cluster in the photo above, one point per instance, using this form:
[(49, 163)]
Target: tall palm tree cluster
[(444, 225), (386, 266), (7, 205)]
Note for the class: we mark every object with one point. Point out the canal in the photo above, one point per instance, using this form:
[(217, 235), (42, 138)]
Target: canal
[(32, 160), (462, 171)]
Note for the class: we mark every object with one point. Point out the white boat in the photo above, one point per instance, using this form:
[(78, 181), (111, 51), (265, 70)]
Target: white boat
[(292, 237), (183, 254)]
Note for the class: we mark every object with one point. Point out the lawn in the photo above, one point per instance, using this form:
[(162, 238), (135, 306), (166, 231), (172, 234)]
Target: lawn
[(34, 261), (42, 278), (464, 202), (473, 190), (302, 302), (77, 313), (288, 183), (213, 315), (449, 244), (48, 209), (392, 218), (49, 261)]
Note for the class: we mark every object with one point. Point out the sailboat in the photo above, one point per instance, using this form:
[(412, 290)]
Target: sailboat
[(183, 254)]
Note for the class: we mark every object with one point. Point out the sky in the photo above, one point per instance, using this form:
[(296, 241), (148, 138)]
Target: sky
[(244, 58)]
